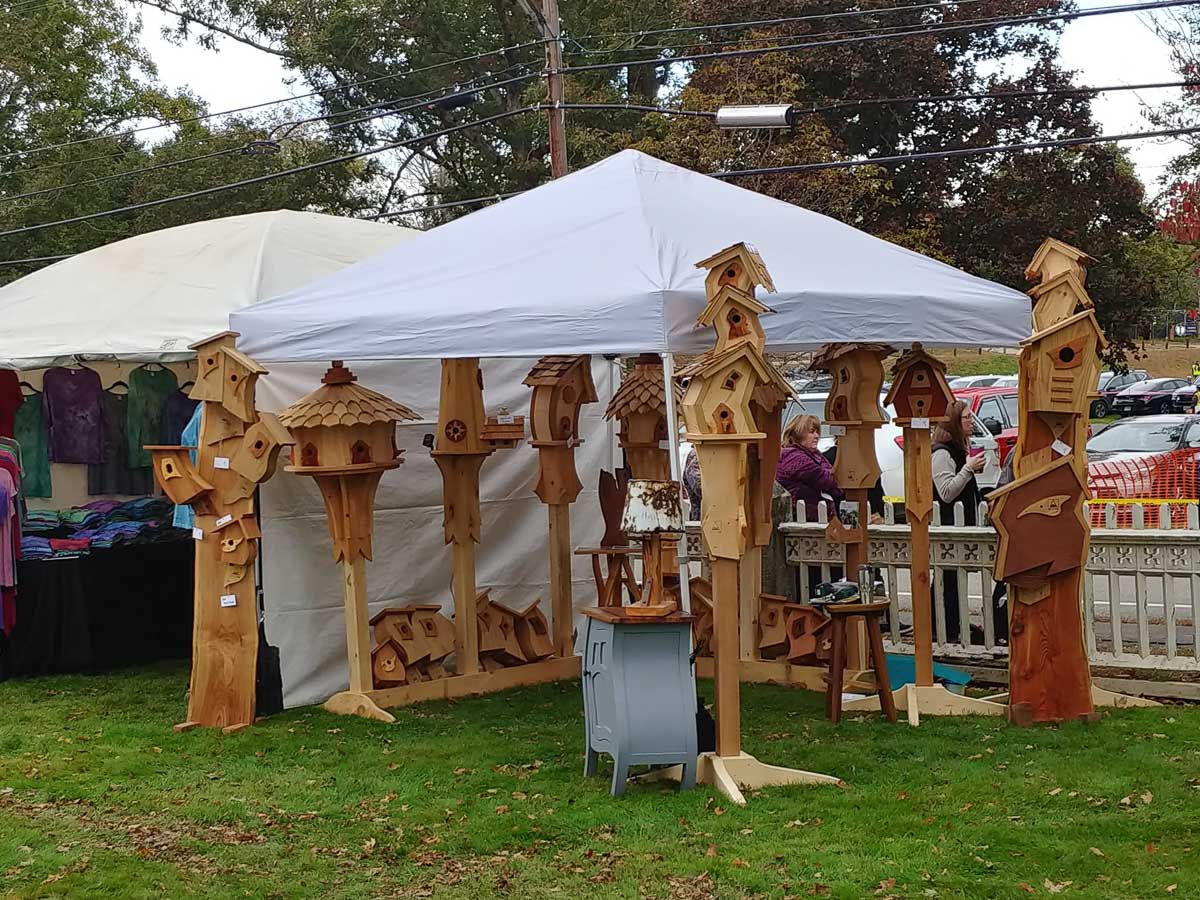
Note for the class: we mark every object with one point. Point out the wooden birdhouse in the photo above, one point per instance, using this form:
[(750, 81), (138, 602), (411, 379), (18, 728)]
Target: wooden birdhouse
[(533, 633), (734, 313), (739, 266), (719, 396), (226, 376), (772, 625), (210, 366), (919, 389), (239, 542), (342, 427), (1058, 298), (437, 629), (498, 633), (395, 624), (1064, 364), (1053, 258), (857, 371), (387, 665), (640, 406), (1041, 524), (177, 476), (807, 631), (255, 460), (561, 386)]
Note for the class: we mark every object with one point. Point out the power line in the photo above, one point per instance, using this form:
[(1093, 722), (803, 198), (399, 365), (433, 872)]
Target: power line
[(889, 35), (270, 176), (317, 93), (962, 151), (453, 203)]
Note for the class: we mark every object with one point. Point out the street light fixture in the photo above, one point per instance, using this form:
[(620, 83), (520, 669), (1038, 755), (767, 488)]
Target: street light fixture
[(772, 115)]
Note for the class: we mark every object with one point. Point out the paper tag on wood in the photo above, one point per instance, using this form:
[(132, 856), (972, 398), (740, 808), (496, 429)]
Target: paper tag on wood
[(221, 462), (228, 600), (837, 430), (224, 520), (197, 534), (505, 420), (1060, 448), (918, 422)]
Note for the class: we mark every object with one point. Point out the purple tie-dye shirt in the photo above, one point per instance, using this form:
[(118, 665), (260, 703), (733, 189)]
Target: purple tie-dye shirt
[(74, 415)]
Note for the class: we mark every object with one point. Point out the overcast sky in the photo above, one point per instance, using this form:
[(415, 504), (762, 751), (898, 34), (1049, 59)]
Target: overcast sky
[(1112, 49)]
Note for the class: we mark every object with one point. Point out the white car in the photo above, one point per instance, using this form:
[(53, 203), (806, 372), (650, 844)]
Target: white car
[(977, 381)]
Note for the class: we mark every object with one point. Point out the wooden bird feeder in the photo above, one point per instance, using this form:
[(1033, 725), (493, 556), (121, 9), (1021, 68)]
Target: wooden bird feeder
[(346, 439)]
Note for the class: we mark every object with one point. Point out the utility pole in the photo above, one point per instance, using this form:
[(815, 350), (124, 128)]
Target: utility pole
[(545, 19)]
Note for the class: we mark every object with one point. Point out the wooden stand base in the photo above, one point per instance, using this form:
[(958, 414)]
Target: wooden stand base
[(1101, 697), (781, 672), (733, 774), (553, 669), (353, 703), (932, 700)]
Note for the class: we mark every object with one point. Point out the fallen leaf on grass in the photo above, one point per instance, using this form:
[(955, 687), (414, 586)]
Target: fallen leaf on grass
[(1147, 798), (1096, 851), (501, 809), (1151, 849), (886, 885), (461, 771), (711, 851), (1170, 888), (719, 811), (1056, 792), (393, 766), (1056, 888), (740, 864), (369, 846), (1026, 887), (746, 831)]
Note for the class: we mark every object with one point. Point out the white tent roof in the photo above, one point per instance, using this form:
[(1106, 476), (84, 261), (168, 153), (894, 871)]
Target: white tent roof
[(148, 297), (603, 261)]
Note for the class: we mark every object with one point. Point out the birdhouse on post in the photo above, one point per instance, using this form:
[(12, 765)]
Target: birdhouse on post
[(739, 266), (1064, 364), (226, 376), (640, 406), (1057, 299), (853, 409), (919, 389), (346, 439), (1054, 258)]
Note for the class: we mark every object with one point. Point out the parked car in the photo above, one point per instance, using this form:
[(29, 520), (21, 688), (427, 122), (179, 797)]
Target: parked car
[(1151, 396), (1111, 384), (889, 445), (1137, 441), (1184, 398), (996, 409), (970, 381)]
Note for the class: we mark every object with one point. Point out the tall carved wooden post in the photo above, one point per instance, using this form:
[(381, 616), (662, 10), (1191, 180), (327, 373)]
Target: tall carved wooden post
[(465, 437), (346, 435), (853, 412), (238, 450), (719, 409), (1040, 517), (921, 397), (561, 386)]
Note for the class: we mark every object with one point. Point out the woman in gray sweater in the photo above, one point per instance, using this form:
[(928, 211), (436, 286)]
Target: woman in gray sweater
[(954, 471)]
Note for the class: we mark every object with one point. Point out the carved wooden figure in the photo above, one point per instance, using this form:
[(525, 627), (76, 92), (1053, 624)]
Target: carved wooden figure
[(346, 439), (718, 409), (465, 437), (225, 630), (561, 386)]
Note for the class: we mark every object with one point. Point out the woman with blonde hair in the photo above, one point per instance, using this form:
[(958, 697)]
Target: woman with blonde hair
[(803, 470)]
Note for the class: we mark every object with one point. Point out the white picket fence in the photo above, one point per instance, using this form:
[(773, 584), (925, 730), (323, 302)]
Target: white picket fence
[(1141, 591)]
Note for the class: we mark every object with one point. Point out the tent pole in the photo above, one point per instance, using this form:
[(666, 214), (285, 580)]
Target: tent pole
[(685, 591)]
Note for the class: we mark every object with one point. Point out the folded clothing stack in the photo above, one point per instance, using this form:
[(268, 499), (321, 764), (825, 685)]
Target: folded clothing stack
[(99, 525)]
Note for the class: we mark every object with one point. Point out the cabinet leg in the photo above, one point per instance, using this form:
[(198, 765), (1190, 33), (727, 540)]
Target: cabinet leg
[(590, 760), (620, 776), (688, 780)]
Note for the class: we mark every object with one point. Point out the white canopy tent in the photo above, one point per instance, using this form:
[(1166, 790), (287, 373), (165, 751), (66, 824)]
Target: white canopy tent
[(603, 261), (146, 298)]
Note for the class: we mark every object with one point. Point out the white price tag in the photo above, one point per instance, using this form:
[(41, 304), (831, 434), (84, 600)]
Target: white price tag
[(837, 430), (1060, 448), (228, 600), (197, 534), (221, 462), (664, 445), (224, 520), (505, 420), (918, 422)]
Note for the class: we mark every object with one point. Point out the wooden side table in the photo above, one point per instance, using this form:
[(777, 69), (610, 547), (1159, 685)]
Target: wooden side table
[(618, 573), (839, 615)]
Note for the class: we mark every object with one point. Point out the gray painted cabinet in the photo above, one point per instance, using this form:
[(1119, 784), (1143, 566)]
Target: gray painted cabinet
[(639, 694)]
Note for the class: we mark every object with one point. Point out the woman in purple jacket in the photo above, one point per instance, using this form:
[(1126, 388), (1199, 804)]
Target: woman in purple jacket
[(803, 471)]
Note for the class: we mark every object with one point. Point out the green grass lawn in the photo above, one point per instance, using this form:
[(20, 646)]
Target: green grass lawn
[(484, 798)]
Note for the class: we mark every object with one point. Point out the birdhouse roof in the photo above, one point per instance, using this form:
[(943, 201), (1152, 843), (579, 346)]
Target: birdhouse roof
[(729, 292), (1062, 279), (910, 358), (388, 613), (641, 391), (340, 401), (243, 360), (275, 429), (716, 359), (549, 371), (223, 338), (755, 266), (1087, 314), (1034, 269), (824, 358)]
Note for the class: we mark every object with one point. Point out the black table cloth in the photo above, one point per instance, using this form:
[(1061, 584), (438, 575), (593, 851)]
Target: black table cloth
[(113, 608)]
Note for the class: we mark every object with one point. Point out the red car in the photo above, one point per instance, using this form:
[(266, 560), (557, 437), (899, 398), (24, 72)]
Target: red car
[(996, 407)]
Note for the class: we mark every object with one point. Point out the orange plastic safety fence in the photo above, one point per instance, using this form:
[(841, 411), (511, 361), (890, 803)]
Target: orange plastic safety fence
[(1150, 480)]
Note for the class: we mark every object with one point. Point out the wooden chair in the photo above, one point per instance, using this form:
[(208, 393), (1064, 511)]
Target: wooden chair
[(840, 614)]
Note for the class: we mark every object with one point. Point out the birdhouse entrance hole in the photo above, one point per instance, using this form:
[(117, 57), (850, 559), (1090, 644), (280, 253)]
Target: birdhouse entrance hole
[(308, 455), (360, 453)]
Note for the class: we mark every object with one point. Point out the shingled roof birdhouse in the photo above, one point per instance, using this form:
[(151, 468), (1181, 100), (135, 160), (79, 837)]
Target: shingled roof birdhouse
[(343, 426), (857, 371), (718, 399), (739, 266), (1064, 364), (1053, 258), (561, 386), (919, 389), (226, 375), (640, 405)]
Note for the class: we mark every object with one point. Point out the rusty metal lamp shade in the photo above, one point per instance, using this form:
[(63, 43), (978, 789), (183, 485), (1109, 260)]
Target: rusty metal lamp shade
[(652, 507)]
